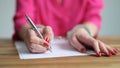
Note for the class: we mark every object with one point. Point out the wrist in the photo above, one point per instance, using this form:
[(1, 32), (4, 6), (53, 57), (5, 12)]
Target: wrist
[(80, 26), (22, 32), (90, 29)]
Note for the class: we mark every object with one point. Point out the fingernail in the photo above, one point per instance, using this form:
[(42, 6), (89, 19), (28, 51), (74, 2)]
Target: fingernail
[(107, 53), (83, 50), (115, 50), (110, 54), (47, 39), (45, 44), (99, 54)]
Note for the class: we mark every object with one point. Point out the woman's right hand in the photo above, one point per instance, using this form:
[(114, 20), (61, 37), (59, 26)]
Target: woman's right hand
[(36, 44)]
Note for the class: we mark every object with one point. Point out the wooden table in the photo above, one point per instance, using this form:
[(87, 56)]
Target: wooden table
[(9, 58)]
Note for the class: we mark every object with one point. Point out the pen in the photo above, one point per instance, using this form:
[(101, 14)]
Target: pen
[(36, 29)]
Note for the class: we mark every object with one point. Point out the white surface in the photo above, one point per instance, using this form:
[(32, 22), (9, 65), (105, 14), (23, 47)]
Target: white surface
[(60, 48)]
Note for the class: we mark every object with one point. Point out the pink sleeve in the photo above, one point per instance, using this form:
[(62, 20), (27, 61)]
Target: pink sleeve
[(93, 12), (22, 7)]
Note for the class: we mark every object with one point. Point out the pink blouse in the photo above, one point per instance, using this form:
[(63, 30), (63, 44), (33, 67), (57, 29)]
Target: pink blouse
[(62, 17)]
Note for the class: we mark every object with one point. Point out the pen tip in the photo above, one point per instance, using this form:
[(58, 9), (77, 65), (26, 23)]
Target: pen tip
[(50, 49)]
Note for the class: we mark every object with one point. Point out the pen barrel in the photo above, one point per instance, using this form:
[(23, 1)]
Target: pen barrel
[(33, 26)]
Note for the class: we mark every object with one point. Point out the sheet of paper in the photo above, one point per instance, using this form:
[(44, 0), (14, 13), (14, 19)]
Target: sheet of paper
[(60, 48)]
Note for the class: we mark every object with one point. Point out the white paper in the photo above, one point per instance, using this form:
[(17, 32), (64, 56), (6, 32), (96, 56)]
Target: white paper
[(60, 48)]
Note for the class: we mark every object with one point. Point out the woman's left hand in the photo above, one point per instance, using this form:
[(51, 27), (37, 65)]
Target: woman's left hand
[(80, 39)]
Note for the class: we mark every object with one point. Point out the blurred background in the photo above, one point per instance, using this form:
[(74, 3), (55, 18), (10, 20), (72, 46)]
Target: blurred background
[(110, 18)]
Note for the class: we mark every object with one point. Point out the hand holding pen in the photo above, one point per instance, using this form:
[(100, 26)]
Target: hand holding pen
[(38, 39)]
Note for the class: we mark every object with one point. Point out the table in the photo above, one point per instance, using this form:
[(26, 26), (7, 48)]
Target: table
[(9, 58)]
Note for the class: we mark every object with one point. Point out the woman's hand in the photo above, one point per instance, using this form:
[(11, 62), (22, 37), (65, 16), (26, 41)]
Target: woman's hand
[(36, 44), (80, 39)]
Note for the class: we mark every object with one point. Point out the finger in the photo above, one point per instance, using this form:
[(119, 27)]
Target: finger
[(33, 38), (75, 43), (103, 48), (90, 41), (112, 51), (35, 48), (41, 30), (96, 48), (48, 33)]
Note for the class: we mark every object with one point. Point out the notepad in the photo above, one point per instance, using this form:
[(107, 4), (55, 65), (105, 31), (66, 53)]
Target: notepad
[(60, 48)]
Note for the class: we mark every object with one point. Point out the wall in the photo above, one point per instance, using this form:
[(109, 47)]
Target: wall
[(110, 15), (111, 18), (7, 8)]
